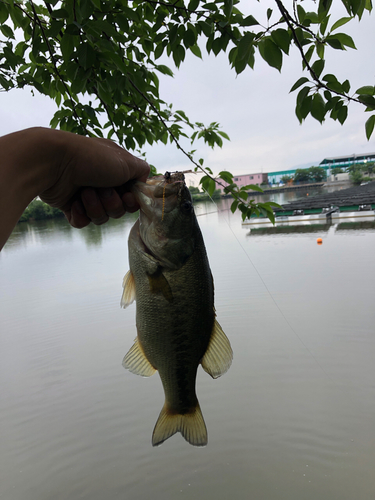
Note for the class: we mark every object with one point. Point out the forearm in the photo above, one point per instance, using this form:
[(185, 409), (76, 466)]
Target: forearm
[(27, 167)]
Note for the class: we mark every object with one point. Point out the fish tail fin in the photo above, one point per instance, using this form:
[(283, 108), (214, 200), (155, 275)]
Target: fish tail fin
[(191, 425)]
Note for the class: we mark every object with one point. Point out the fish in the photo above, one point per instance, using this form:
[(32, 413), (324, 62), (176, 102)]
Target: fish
[(171, 282)]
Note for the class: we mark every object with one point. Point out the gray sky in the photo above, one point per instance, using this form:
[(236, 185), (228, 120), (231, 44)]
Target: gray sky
[(255, 108)]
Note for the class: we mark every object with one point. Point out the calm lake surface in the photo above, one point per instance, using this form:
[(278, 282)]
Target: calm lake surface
[(294, 418)]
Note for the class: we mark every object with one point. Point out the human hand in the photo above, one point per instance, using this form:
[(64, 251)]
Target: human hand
[(92, 181), (89, 179)]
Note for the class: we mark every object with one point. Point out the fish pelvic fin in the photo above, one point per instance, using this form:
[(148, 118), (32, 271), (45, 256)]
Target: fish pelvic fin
[(191, 425), (128, 295), (136, 362), (219, 354)]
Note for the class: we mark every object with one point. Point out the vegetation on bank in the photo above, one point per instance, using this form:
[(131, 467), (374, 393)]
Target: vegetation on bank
[(357, 174), (312, 174), (203, 196), (38, 210)]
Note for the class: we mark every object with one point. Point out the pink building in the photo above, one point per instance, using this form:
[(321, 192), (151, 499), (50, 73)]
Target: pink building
[(244, 180)]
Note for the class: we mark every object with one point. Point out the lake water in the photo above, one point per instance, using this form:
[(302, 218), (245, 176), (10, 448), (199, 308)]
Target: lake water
[(294, 418)]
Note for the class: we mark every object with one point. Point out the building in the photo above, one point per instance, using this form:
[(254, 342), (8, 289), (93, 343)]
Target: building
[(246, 179), (275, 177), (346, 161)]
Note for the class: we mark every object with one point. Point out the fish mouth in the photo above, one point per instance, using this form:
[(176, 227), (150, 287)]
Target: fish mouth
[(159, 186)]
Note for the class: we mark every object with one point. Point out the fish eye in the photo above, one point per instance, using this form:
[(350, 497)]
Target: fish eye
[(186, 206)]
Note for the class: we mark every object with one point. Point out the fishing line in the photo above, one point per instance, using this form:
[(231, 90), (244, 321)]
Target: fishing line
[(268, 291)]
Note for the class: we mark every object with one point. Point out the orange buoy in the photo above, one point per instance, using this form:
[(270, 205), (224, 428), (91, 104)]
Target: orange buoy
[(307, 194), (319, 241)]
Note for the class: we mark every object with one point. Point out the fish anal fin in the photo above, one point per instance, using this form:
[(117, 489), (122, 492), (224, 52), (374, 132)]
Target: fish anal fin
[(159, 284), (191, 425), (128, 295), (219, 354), (136, 362)]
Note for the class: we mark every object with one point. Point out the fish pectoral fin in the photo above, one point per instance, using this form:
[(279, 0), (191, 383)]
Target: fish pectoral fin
[(219, 354), (136, 362), (159, 284), (128, 295), (191, 425)]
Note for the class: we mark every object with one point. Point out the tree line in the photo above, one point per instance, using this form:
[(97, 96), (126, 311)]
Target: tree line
[(358, 173)]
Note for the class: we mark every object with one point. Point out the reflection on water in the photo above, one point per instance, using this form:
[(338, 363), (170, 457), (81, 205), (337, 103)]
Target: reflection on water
[(52, 230), (290, 229), (293, 418), (356, 226)]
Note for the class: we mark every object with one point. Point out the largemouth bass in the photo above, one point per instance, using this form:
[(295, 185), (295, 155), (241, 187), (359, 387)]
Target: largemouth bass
[(171, 282)]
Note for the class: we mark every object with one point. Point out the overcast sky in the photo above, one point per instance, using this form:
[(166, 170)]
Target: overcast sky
[(255, 108)]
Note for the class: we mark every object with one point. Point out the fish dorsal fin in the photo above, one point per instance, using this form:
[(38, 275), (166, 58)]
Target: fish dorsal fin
[(219, 354), (128, 295), (136, 362)]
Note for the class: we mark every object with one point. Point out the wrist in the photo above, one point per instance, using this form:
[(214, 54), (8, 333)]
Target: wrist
[(27, 166)]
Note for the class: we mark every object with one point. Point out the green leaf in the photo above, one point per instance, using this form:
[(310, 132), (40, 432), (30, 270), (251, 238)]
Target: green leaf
[(318, 67), (301, 13), (164, 69), (67, 44), (334, 43), (320, 49), (4, 14), (60, 14), (302, 94), (369, 100), (211, 187), (228, 7), (341, 22), (245, 46), (323, 23), (234, 206), (370, 126), (189, 38), (243, 194), (282, 39), (346, 86), (345, 40), (253, 187), (303, 105), (223, 134), (323, 9), (333, 83), (318, 107), (196, 51), (7, 31), (86, 55), (206, 27), (342, 114), (298, 83), (308, 55), (271, 53), (226, 176), (368, 89), (178, 55), (249, 21), (193, 4)]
